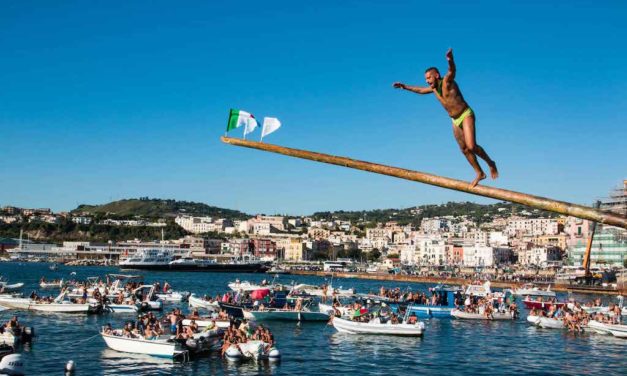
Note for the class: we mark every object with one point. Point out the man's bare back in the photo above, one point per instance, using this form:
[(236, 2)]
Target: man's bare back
[(450, 96)]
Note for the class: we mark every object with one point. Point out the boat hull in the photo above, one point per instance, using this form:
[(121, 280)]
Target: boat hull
[(352, 327), (285, 315), (478, 316), (159, 348), (197, 302)]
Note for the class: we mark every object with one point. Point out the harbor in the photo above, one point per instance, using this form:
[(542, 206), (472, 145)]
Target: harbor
[(446, 342)]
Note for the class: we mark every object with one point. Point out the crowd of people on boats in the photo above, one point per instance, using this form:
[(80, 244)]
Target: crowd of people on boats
[(241, 331), (487, 306), (574, 316)]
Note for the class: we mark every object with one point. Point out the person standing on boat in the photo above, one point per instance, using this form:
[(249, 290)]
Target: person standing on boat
[(450, 96)]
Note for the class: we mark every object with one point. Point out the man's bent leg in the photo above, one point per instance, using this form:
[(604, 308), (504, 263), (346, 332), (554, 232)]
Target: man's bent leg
[(470, 156), (471, 143)]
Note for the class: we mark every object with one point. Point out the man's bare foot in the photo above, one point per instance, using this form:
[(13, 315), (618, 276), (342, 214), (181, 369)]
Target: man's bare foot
[(477, 179), (493, 171)]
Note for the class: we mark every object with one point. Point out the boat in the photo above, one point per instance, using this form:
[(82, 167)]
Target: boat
[(445, 303), (173, 296), (152, 259), (204, 322), (189, 264), (532, 290), (163, 259), (375, 326), (459, 314), (160, 347), (616, 330), (6, 287), (120, 308), (546, 322), (146, 294), (320, 291), (281, 314), (232, 309), (598, 327), (247, 286), (61, 304), (196, 302), (541, 304), (51, 284), (256, 350), (16, 336)]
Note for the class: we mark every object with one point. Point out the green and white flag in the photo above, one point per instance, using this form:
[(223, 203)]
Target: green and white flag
[(238, 118)]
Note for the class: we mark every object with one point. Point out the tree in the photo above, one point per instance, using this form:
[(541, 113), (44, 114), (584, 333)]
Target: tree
[(374, 255)]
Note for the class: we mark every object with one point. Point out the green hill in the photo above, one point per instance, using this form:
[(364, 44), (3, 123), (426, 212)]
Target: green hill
[(156, 208), (478, 212)]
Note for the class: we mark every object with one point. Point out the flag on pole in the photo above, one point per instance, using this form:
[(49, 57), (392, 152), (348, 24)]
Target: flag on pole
[(250, 126), (270, 125), (237, 118)]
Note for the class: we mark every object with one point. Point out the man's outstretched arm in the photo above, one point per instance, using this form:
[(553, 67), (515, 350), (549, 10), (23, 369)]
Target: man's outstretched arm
[(415, 89), (450, 75)]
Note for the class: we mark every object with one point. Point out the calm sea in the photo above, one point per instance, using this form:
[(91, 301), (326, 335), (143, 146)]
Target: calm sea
[(448, 346)]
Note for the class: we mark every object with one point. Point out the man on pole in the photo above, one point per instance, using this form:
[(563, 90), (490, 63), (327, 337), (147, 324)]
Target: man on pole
[(448, 93)]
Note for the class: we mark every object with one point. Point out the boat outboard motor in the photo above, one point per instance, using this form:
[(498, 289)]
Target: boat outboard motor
[(12, 365)]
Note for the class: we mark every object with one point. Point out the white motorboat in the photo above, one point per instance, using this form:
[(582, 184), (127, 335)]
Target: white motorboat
[(146, 294), (10, 287), (51, 284), (616, 330), (598, 327), (546, 322), (247, 286), (196, 302), (532, 290), (161, 347), (320, 291), (205, 322), (120, 308), (256, 350), (174, 296), (480, 316), (61, 304), (375, 326)]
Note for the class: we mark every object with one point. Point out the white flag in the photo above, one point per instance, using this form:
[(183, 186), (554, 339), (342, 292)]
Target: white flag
[(270, 125), (250, 125)]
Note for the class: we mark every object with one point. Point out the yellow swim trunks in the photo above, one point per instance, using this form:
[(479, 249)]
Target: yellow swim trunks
[(460, 119)]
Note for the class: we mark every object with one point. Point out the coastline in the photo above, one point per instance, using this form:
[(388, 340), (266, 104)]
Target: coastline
[(459, 281)]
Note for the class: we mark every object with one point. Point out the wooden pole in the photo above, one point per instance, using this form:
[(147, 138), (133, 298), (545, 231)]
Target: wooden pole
[(538, 202)]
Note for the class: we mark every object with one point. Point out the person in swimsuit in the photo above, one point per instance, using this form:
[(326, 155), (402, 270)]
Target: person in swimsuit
[(448, 93)]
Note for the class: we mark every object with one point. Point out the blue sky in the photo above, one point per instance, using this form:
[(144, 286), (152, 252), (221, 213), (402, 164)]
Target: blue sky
[(108, 100)]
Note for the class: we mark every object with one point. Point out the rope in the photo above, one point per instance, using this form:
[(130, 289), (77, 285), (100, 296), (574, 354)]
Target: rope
[(85, 340)]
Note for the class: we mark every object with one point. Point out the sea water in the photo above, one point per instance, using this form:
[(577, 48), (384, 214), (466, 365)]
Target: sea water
[(449, 346)]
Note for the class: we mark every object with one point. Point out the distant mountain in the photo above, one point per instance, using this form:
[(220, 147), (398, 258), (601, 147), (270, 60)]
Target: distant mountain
[(156, 208)]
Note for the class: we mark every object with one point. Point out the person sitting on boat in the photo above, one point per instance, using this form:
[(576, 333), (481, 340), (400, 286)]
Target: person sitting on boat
[(194, 315), (149, 334), (412, 319), (127, 331), (107, 329)]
